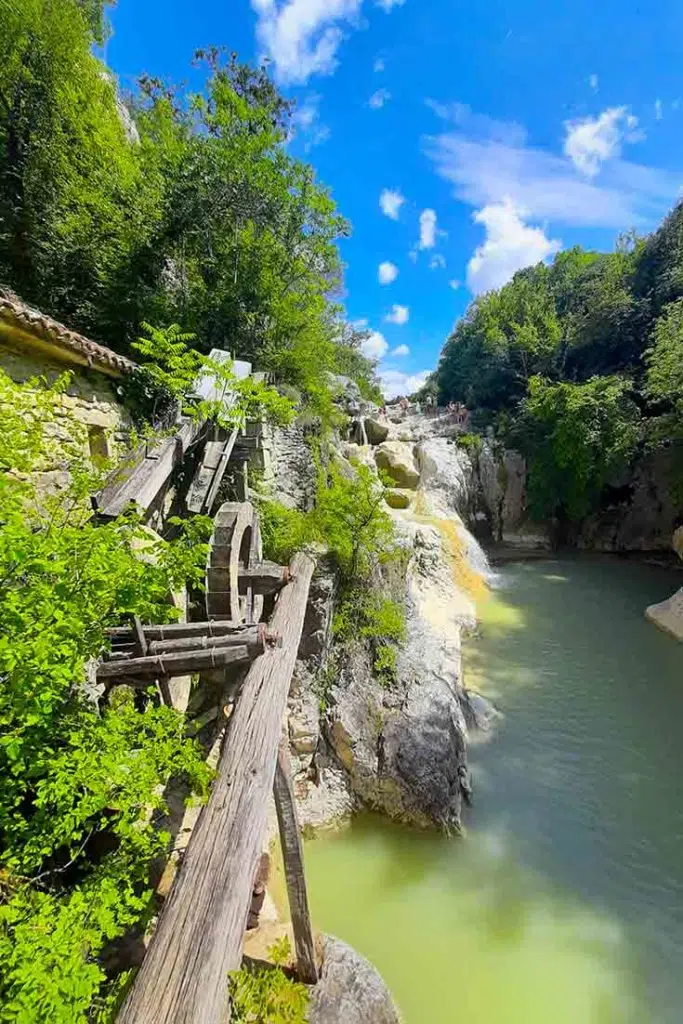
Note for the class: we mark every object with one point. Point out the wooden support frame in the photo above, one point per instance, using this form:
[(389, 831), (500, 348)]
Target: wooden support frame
[(293, 858), (177, 663), (141, 482), (184, 976)]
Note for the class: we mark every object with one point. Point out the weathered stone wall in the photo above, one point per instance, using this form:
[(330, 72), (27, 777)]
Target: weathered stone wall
[(89, 411)]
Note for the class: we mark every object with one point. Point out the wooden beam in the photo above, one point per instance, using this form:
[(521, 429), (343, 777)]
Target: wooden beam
[(175, 664), (209, 476), (220, 471), (263, 578), (258, 636), (172, 630), (141, 483), (184, 976), (293, 857)]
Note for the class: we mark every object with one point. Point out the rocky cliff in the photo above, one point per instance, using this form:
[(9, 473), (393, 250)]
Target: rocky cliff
[(400, 748)]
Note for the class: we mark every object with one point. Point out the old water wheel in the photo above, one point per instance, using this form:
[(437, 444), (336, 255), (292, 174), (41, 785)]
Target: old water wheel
[(237, 578)]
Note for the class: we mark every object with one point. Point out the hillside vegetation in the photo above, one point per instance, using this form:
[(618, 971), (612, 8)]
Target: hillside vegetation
[(179, 208), (579, 364)]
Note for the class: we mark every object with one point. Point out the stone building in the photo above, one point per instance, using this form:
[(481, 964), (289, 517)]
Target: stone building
[(34, 345)]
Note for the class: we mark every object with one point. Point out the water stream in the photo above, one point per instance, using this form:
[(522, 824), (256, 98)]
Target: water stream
[(565, 901)]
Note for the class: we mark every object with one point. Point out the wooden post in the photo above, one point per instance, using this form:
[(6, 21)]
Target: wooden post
[(293, 857), (184, 977)]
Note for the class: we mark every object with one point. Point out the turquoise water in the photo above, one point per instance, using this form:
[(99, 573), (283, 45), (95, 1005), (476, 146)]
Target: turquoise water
[(565, 901)]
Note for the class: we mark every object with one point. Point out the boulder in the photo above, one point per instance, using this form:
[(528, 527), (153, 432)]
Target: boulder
[(677, 541), (396, 459), (668, 615), (375, 430), (396, 498), (350, 990)]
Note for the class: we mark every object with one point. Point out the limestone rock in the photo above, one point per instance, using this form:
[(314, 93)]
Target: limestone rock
[(639, 512), (303, 725), (677, 541), (396, 498), (396, 458), (376, 431), (668, 615), (350, 990)]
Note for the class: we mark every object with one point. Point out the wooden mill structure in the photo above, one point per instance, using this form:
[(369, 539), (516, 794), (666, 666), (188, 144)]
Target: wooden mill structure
[(253, 621)]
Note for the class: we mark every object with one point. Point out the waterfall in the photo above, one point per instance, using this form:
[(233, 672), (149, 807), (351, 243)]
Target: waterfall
[(449, 486)]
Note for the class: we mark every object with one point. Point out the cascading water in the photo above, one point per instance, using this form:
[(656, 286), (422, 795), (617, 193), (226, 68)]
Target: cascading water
[(449, 489)]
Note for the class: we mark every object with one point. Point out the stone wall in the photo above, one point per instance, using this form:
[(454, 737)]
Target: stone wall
[(89, 410)]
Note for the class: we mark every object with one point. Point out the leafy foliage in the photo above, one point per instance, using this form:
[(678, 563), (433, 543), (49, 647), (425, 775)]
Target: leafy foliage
[(81, 782), (578, 435), (170, 370), (351, 522), (664, 382), (265, 995), (174, 208), (528, 359)]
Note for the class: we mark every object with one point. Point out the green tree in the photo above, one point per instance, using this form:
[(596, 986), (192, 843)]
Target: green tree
[(576, 437)]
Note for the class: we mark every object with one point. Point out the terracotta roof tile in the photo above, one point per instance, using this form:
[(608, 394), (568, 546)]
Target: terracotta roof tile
[(30, 321)]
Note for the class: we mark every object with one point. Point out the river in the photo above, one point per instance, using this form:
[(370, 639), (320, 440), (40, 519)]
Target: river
[(564, 903)]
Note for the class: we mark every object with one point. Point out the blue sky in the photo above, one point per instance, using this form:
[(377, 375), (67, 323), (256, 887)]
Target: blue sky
[(463, 141)]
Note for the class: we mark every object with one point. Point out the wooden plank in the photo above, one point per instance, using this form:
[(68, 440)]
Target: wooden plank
[(175, 664), (220, 471), (149, 474), (171, 630), (293, 857), (184, 976), (209, 476), (256, 639)]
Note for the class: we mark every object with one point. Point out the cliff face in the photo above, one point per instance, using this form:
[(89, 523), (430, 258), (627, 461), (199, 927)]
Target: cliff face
[(638, 512)]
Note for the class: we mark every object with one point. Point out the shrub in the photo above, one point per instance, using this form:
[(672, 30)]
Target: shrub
[(265, 995), (82, 783)]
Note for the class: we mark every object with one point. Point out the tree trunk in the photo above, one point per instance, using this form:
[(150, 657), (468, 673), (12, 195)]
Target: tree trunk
[(184, 977)]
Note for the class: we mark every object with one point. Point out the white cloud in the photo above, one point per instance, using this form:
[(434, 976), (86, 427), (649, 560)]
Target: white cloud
[(390, 202), (486, 169), (400, 350), (395, 382), (387, 272), (379, 98), (509, 246), (659, 113), (412, 255), (437, 262), (399, 315), (360, 324), (590, 141), (454, 284), (375, 346), (388, 5), (379, 65), (302, 37), (306, 121), (594, 82), (427, 229)]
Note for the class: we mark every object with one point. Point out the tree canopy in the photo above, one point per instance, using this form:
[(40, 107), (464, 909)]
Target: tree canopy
[(566, 359), (176, 207)]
